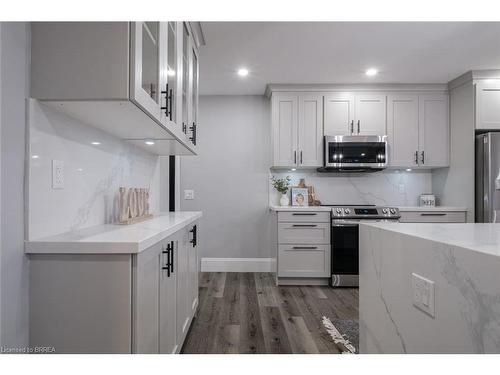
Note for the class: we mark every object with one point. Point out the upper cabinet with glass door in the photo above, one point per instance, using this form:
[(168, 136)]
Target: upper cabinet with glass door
[(124, 78)]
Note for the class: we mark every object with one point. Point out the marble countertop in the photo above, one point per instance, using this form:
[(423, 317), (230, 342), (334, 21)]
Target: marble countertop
[(297, 208), (480, 237), (436, 208), (114, 238)]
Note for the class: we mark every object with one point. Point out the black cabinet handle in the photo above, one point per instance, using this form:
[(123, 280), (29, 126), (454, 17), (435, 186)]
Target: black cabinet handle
[(352, 126), (167, 251), (305, 247), (304, 214), (433, 214), (194, 240), (300, 156), (166, 101), (305, 225), (416, 157), (358, 126), (423, 157), (295, 157), (170, 102), (172, 257), (193, 136), (184, 128)]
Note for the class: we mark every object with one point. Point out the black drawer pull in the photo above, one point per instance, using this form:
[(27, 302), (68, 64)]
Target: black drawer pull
[(305, 225), (432, 214), (304, 214), (305, 247)]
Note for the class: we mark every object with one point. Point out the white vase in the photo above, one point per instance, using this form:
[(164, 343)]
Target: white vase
[(284, 200)]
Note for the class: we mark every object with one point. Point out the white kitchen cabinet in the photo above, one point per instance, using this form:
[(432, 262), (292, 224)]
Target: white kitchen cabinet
[(168, 340), (433, 216), (119, 303), (193, 87), (434, 130), (339, 114), (488, 104), (355, 114), (370, 114), (418, 130), (297, 125), (117, 76), (284, 130), (304, 260), (402, 129), (193, 267)]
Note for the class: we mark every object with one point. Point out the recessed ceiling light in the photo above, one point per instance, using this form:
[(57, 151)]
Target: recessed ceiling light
[(149, 143), (371, 72), (408, 169), (243, 72), (35, 157), (170, 72), (293, 169), (95, 143)]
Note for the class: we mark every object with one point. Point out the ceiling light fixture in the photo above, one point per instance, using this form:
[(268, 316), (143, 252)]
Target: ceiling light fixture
[(293, 169), (95, 143), (408, 169), (35, 157), (371, 72), (170, 72), (149, 143), (242, 72)]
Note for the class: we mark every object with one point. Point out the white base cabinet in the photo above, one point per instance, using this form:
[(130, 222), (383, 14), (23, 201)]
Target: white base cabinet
[(116, 303)]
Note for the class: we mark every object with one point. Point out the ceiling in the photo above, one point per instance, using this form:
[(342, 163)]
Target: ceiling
[(340, 52)]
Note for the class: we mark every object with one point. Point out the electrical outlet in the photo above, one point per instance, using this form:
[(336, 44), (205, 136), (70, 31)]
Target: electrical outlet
[(188, 194), (57, 174), (423, 294)]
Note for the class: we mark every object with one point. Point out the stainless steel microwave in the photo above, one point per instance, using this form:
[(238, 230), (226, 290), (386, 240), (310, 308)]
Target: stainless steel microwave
[(355, 152)]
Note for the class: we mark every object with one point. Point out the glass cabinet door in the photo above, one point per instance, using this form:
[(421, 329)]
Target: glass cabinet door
[(147, 64), (194, 94), (185, 77), (171, 99)]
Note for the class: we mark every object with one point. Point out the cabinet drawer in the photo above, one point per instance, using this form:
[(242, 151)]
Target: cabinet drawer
[(433, 217), (304, 217), (304, 233), (304, 261)]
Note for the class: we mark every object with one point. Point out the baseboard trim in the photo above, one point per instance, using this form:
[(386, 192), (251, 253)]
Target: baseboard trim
[(238, 264)]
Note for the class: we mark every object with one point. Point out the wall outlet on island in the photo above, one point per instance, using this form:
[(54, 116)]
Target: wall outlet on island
[(189, 194), (423, 293)]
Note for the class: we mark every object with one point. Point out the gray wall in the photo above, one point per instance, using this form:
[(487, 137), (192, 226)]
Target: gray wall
[(14, 264), (455, 185), (230, 176)]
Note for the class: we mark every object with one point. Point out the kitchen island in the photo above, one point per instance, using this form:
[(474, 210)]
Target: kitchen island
[(429, 288)]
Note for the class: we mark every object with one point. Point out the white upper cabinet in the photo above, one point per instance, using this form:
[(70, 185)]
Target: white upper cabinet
[(488, 105), (284, 130), (370, 114), (339, 114), (297, 130), (310, 128), (124, 78), (434, 130), (418, 130), (402, 129), (355, 114)]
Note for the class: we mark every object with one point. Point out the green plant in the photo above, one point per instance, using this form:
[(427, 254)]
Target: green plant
[(281, 184)]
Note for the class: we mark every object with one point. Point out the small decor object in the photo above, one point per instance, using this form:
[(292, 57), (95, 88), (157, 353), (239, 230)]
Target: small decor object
[(302, 183), (282, 185), (427, 200), (133, 205), (312, 197), (300, 197)]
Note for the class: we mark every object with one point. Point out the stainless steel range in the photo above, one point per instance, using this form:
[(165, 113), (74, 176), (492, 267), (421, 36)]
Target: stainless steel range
[(345, 239)]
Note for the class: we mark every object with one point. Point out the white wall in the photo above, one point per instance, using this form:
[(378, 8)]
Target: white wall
[(92, 173), (455, 185), (230, 176), (14, 264)]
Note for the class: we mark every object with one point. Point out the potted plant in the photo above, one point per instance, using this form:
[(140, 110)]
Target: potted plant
[(282, 185)]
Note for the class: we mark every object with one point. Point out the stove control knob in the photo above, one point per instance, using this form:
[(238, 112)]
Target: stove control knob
[(384, 211), (339, 211), (393, 211), (347, 211)]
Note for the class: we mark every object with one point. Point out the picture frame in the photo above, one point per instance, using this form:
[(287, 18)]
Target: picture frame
[(300, 197)]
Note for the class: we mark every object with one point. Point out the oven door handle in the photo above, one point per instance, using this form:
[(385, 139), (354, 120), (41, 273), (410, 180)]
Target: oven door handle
[(345, 225)]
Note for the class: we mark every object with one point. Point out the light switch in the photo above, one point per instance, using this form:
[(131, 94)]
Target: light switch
[(188, 194), (57, 174), (423, 294)]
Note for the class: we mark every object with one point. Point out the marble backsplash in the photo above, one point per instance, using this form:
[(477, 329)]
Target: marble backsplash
[(92, 173), (389, 187)]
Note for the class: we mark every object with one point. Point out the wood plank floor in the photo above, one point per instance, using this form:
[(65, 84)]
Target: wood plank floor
[(244, 313)]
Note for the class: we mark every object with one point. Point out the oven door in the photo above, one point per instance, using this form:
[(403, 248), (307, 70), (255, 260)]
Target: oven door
[(345, 249), (356, 152)]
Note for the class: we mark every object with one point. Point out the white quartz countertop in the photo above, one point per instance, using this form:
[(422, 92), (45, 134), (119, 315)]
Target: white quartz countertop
[(114, 238), (436, 208), (298, 208), (484, 238)]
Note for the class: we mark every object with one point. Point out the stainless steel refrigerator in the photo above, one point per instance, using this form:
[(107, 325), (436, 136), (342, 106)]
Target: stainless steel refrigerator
[(488, 178)]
